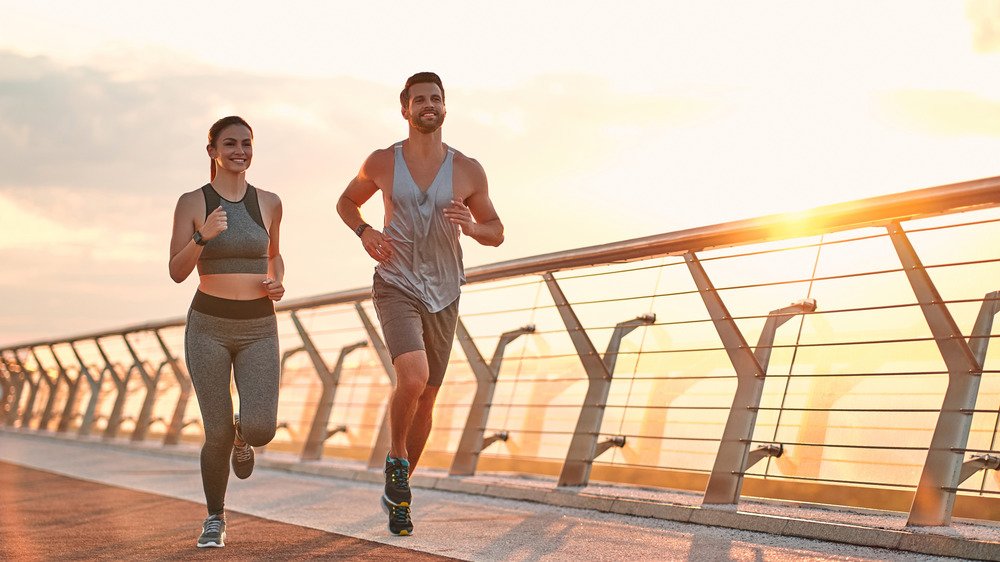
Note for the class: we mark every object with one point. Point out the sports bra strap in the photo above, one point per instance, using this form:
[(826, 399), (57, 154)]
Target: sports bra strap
[(253, 206), (212, 199)]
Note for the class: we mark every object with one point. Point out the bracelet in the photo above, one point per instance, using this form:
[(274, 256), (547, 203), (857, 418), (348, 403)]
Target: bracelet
[(361, 228)]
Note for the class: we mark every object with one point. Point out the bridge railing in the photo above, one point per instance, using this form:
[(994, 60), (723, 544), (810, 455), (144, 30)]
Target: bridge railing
[(838, 355)]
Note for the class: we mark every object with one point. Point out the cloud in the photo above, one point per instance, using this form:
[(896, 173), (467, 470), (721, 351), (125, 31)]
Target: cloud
[(985, 18), (943, 112), (96, 156)]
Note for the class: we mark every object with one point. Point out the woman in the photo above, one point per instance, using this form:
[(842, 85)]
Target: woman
[(229, 230)]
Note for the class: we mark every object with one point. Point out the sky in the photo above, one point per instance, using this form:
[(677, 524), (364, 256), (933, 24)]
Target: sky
[(595, 122)]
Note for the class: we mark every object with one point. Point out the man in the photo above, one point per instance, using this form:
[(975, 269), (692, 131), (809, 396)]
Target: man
[(432, 194)]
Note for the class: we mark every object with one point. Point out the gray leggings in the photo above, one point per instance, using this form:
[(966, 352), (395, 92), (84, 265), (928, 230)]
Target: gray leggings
[(248, 348)]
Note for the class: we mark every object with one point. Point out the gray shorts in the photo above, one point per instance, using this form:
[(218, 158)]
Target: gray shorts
[(408, 326)]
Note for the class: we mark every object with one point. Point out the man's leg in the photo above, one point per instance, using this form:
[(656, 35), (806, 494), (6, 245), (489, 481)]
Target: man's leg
[(411, 380), (420, 427)]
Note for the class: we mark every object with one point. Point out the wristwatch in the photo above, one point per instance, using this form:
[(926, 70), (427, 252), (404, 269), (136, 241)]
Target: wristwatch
[(361, 229), (198, 239)]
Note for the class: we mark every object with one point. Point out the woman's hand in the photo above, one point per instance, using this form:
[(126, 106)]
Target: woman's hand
[(275, 290), (215, 223)]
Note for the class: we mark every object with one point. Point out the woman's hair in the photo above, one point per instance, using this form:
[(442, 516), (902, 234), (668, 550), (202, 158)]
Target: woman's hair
[(216, 129)]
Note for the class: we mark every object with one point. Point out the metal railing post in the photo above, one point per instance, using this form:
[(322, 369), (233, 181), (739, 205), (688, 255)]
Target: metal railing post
[(121, 386), (312, 450), (734, 456), (17, 388), (177, 423), (96, 385), (583, 446), (472, 441), (72, 392), (53, 384), (29, 406), (150, 382), (383, 440), (935, 496), (6, 389)]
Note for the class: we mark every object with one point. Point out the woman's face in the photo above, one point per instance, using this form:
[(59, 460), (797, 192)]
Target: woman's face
[(233, 150)]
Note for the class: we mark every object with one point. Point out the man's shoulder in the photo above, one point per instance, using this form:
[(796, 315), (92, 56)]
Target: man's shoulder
[(467, 165), (379, 160)]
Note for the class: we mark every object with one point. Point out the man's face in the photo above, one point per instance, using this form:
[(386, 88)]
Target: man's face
[(425, 111)]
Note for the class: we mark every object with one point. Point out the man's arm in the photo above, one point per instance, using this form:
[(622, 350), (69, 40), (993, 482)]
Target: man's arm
[(357, 193), (476, 216)]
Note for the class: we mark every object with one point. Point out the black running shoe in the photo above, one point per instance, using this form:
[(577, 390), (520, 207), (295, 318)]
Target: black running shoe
[(399, 518), (213, 532), (397, 481), (242, 456)]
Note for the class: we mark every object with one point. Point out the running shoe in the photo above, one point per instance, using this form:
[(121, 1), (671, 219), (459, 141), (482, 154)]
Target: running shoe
[(396, 499), (399, 518), (397, 481), (242, 456), (213, 532)]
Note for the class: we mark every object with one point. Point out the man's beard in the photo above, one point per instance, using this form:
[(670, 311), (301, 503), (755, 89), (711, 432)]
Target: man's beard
[(427, 128)]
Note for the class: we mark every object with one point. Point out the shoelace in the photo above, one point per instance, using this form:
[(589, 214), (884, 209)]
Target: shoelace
[(213, 526), (400, 514), (400, 477), (244, 453)]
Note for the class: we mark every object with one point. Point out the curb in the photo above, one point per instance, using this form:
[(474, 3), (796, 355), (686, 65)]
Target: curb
[(932, 541)]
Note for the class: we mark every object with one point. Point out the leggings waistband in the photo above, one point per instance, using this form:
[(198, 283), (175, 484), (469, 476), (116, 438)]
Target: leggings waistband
[(232, 309)]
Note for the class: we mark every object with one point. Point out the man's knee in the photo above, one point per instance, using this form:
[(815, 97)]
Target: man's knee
[(411, 372)]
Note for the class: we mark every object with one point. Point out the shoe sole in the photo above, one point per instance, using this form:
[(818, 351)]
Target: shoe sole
[(213, 544), (385, 503)]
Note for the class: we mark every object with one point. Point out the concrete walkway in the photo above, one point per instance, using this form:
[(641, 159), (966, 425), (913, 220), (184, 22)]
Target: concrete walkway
[(342, 500)]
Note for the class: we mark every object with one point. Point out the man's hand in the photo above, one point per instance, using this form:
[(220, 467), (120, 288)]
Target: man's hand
[(376, 244), (458, 214)]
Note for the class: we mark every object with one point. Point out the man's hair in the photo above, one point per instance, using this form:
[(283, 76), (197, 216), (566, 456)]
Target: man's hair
[(419, 78)]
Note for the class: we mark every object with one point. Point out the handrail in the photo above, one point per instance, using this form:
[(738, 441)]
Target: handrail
[(873, 211)]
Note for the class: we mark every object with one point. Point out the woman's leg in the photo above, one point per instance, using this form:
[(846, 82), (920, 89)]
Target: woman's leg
[(256, 370), (209, 363)]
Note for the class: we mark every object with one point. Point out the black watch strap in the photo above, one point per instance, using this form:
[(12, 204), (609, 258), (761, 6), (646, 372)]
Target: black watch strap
[(361, 229), (199, 239)]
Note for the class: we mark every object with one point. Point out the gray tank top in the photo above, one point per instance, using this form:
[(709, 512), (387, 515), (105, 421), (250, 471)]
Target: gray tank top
[(242, 247), (427, 258)]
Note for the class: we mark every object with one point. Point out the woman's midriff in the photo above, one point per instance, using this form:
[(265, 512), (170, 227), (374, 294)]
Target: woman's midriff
[(234, 286)]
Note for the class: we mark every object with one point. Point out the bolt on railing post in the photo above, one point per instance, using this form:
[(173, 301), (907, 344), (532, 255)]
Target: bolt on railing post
[(472, 441), (383, 439)]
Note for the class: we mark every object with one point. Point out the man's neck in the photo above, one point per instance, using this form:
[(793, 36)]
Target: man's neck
[(425, 145)]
